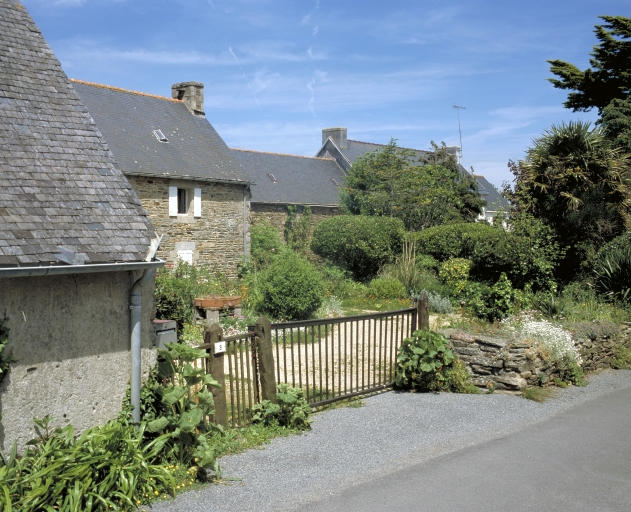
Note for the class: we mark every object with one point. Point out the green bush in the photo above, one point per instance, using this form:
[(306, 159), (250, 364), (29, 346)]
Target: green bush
[(438, 303), (110, 467), (358, 243), (176, 404), (339, 282), (265, 244), (386, 288), (426, 363), (612, 268), (291, 287), (176, 288), (425, 262), (490, 302), (455, 273), (528, 254), (290, 409)]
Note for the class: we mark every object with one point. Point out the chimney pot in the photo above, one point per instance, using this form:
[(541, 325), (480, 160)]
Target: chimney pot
[(338, 135), (192, 94)]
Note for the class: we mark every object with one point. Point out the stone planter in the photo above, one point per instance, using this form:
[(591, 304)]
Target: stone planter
[(210, 306)]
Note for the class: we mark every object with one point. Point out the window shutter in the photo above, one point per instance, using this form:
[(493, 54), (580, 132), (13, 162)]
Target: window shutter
[(197, 203), (172, 201)]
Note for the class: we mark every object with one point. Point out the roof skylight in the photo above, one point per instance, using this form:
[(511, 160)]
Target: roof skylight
[(160, 136), (272, 177)]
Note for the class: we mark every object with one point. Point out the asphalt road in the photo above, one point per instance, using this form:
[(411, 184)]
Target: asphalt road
[(439, 452), (579, 460)]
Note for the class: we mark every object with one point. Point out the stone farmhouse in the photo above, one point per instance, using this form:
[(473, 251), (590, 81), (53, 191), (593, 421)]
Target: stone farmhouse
[(188, 181), (75, 249), (281, 180), (336, 145)]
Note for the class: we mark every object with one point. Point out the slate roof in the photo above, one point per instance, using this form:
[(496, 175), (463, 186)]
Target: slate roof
[(60, 190), (291, 179), (127, 120), (355, 149)]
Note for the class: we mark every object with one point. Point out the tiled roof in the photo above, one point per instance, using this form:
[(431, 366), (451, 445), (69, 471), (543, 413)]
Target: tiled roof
[(291, 179), (127, 120), (60, 191)]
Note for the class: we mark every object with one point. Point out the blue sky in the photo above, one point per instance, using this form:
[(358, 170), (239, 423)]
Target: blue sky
[(276, 71)]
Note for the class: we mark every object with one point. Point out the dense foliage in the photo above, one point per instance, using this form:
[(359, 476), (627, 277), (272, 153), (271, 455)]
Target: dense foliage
[(606, 85), (612, 268), (176, 289), (386, 288), (290, 287), (111, 467), (528, 253), (289, 410), (358, 243), (426, 363), (298, 228), (265, 244), (580, 185), (390, 182), (176, 404)]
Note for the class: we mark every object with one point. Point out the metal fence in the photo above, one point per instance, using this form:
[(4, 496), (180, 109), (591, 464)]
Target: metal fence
[(337, 358), (330, 359)]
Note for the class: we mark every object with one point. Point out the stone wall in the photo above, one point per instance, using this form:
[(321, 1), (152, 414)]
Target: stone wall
[(69, 338), (216, 238), (505, 364), (276, 214)]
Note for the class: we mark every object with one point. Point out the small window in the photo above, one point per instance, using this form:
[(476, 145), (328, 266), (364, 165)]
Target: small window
[(160, 136), (182, 201)]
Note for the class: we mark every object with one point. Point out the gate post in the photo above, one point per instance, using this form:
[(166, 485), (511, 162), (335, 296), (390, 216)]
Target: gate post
[(263, 330), (215, 366), (422, 312)]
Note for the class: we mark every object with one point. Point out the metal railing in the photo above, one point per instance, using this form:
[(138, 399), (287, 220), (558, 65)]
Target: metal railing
[(336, 358)]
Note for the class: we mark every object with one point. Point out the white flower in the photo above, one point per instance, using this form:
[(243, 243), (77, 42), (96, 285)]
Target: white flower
[(551, 338)]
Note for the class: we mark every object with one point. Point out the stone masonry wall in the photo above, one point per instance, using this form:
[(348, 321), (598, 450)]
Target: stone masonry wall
[(509, 365), (276, 214), (216, 238)]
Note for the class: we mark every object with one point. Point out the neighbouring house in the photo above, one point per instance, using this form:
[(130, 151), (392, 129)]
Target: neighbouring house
[(75, 249), (345, 151), (193, 190), (280, 180)]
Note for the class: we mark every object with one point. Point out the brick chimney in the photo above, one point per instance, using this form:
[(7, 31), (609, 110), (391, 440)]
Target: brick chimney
[(192, 94), (338, 135)]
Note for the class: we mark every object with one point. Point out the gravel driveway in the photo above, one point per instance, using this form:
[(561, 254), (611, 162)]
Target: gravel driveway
[(348, 446)]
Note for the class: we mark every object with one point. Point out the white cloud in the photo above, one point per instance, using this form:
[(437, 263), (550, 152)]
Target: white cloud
[(69, 3)]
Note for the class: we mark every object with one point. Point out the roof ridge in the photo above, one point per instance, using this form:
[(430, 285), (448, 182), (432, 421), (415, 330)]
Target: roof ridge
[(283, 154), (120, 89), (384, 145)]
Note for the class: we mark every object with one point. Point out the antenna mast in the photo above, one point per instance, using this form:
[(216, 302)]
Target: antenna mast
[(458, 109)]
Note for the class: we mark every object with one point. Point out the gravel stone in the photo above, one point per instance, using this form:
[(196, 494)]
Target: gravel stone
[(348, 446)]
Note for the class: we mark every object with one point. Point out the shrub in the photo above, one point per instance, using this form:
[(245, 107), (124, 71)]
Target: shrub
[(339, 282), (438, 303), (175, 290), (612, 268), (110, 467), (176, 403), (490, 302), (455, 273), (425, 262), (426, 363), (290, 409), (291, 287), (358, 243), (528, 253), (386, 288), (265, 243), (298, 229)]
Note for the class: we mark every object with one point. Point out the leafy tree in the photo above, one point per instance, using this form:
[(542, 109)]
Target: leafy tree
[(576, 181), (391, 182), (607, 84), (610, 77)]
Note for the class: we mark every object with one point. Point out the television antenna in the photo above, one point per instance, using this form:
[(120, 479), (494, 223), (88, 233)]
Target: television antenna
[(458, 109)]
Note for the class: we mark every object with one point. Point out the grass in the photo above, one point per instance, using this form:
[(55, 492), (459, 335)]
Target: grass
[(238, 440), (538, 394)]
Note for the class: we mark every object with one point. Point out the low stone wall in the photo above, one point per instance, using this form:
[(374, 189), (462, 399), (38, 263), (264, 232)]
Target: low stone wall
[(510, 365)]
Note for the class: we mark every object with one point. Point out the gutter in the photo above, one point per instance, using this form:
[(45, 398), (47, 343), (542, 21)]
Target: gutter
[(57, 270)]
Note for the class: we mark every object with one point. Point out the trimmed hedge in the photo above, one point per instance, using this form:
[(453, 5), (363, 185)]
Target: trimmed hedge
[(526, 254), (359, 243)]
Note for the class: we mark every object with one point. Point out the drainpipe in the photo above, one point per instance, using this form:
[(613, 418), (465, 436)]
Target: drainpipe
[(245, 224), (136, 331)]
